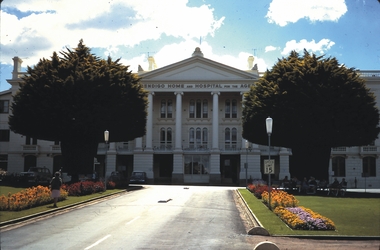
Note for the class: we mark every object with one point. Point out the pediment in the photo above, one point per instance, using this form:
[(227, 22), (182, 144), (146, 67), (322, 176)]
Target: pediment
[(197, 69)]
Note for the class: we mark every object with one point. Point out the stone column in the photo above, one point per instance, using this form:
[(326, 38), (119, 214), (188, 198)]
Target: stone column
[(215, 176), (178, 121), (149, 122), (215, 120), (177, 174), (284, 163)]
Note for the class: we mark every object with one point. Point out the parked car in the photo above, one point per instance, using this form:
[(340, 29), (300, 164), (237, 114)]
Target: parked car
[(36, 175), (138, 177)]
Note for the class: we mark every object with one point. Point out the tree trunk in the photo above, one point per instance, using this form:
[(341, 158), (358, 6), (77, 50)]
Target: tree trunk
[(309, 161), (78, 157)]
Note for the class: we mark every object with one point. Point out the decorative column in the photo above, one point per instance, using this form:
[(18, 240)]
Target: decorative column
[(284, 163), (178, 121), (177, 174), (215, 120), (149, 122), (111, 159), (215, 176)]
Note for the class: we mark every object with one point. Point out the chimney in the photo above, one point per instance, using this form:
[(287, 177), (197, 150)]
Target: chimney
[(250, 62), (16, 67), (152, 63)]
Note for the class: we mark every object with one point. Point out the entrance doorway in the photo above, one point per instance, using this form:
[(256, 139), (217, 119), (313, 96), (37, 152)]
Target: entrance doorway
[(230, 168), (162, 168)]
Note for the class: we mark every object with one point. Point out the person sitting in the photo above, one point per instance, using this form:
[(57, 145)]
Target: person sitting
[(334, 187), (335, 184), (343, 183), (305, 185), (343, 186), (286, 183), (322, 184), (312, 185)]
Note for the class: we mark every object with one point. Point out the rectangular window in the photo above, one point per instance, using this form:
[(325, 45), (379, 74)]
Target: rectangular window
[(369, 166), (170, 109), (4, 162), (4, 106), (4, 134), (198, 109), (30, 141)]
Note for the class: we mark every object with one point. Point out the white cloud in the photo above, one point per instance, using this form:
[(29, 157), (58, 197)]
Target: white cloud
[(290, 11), (53, 25), (321, 47), (271, 48)]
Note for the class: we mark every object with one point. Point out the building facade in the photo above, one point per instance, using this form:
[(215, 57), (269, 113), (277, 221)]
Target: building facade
[(194, 132)]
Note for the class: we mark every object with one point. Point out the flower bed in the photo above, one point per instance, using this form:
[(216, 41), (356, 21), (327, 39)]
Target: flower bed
[(285, 206), (84, 188), (28, 198), (258, 189), (303, 218), (279, 198)]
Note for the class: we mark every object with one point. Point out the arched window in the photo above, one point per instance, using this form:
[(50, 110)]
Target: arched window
[(169, 135), (369, 166), (227, 135), (204, 137), (162, 136), (198, 109), (234, 138), (198, 136), (191, 137), (339, 166)]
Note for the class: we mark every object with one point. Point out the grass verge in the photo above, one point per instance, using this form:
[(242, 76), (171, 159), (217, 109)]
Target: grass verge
[(351, 216), (11, 215)]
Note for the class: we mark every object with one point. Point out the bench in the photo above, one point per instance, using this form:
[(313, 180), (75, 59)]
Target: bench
[(337, 190)]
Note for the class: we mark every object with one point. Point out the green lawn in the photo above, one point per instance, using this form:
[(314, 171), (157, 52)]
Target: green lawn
[(11, 215), (351, 216)]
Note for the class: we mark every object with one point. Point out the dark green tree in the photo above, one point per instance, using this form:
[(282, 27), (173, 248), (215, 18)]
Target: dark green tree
[(316, 104), (73, 99)]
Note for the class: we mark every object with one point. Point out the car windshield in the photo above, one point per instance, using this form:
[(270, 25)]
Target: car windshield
[(138, 174)]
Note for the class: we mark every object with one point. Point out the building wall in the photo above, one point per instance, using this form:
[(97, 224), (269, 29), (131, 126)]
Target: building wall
[(196, 78)]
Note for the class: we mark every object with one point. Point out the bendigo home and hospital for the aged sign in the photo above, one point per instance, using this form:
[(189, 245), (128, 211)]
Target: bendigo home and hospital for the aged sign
[(196, 86)]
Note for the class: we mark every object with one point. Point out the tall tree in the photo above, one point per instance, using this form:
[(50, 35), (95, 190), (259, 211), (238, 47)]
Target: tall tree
[(316, 104), (73, 99)]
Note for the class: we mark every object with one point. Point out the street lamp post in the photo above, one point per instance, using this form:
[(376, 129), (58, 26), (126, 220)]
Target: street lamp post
[(246, 163), (269, 124), (106, 139)]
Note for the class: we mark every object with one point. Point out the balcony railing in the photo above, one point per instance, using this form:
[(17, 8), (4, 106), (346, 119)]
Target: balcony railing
[(369, 73), (55, 148), (369, 149), (339, 149), (30, 149)]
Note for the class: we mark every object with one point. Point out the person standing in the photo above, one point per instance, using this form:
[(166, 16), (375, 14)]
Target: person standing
[(55, 185)]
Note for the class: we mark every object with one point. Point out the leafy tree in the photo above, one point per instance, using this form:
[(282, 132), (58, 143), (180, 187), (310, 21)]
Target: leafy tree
[(316, 104), (74, 99)]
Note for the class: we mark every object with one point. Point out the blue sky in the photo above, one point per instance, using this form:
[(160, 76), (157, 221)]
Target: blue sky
[(169, 30)]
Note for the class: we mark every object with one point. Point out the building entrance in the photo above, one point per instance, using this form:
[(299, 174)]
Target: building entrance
[(230, 168), (162, 168)]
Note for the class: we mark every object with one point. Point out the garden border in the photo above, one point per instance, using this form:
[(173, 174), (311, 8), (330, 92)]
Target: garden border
[(7, 225)]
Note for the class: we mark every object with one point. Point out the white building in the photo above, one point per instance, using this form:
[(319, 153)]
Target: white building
[(193, 134)]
